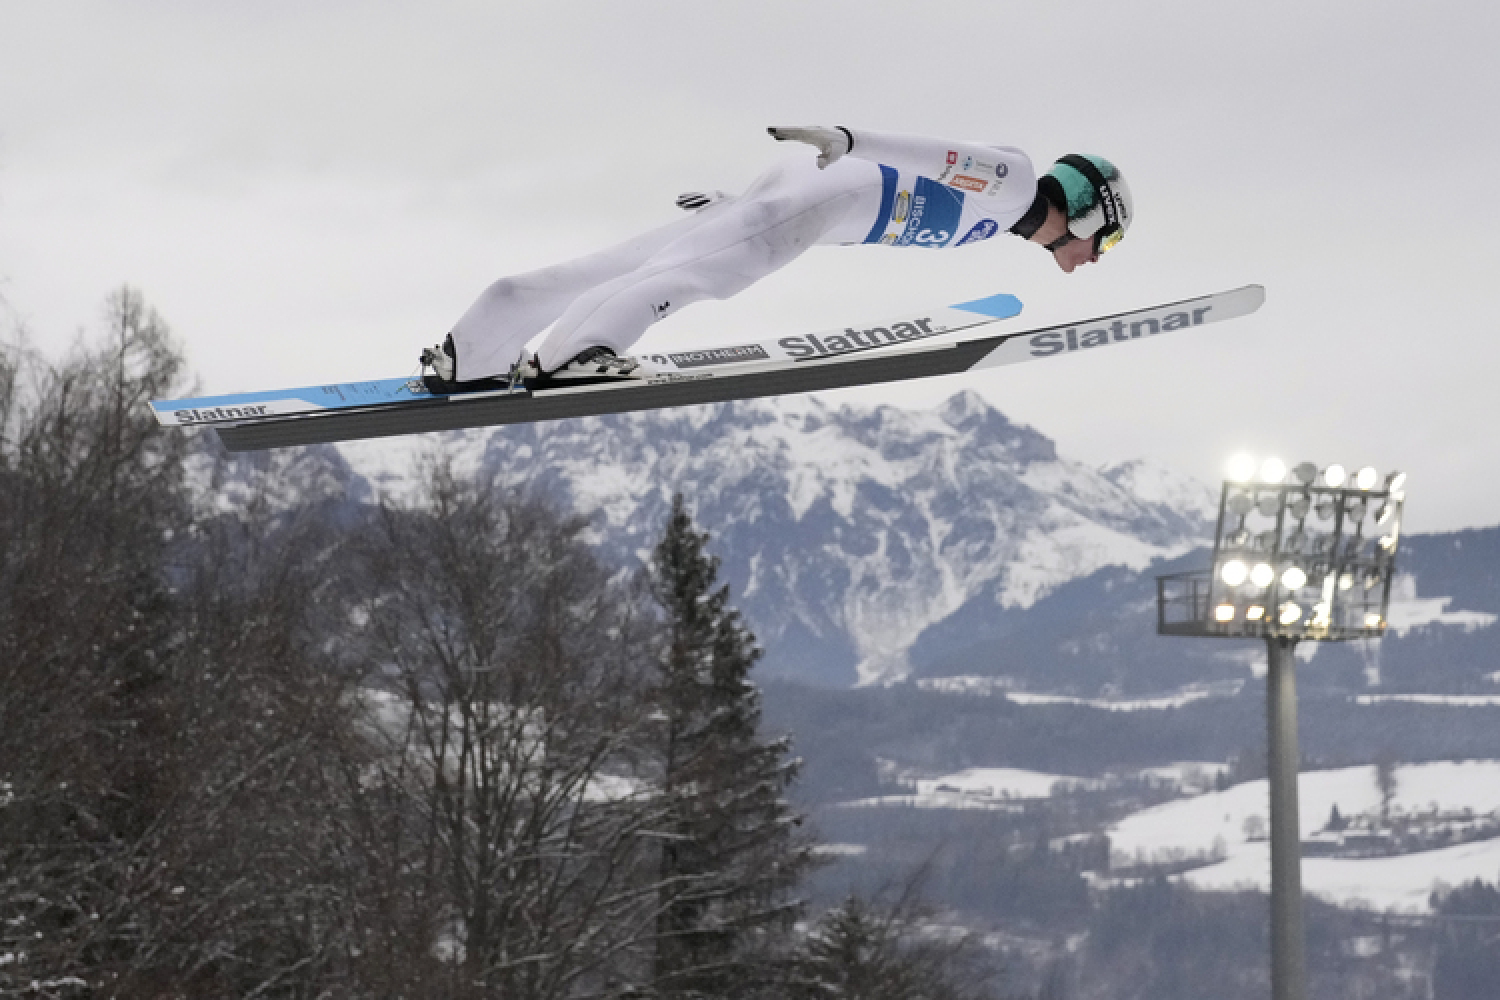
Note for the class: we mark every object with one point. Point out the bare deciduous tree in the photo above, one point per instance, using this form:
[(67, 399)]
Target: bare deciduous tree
[(513, 720)]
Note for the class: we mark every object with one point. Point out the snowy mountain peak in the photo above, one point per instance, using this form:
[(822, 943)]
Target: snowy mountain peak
[(844, 531)]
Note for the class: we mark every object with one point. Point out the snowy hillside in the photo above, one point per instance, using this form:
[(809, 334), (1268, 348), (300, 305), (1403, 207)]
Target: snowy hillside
[(844, 531), (1230, 826)]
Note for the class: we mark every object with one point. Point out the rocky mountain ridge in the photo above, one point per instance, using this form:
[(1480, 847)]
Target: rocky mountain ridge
[(844, 531)]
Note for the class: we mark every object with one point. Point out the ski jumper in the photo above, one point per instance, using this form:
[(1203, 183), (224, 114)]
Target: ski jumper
[(895, 190)]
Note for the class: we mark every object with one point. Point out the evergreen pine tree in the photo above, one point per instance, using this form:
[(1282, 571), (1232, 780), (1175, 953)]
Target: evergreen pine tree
[(730, 851)]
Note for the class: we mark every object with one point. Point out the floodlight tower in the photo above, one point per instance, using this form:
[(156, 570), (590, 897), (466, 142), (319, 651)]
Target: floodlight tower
[(1302, 555)]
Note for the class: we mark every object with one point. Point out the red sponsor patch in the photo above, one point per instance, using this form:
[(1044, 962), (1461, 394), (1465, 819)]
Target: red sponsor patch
[(969, 183), (952, 156)]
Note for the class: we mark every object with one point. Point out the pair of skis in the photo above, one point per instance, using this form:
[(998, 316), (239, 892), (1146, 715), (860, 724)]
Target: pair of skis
[(907, 347)]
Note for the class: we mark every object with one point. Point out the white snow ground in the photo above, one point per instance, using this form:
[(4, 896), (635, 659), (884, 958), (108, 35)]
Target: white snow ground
[(976, 788), (1408, 611), (998, 787), (965, 684), (1402, 883), (1125, 704), (1457, 700), (1222, 823)]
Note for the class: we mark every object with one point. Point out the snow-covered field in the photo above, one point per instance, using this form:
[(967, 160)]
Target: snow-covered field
[(977, 788), (1224, 823), (997, 787), (1118, 705), (971, 685), (1402, 883), (1456, 700), (1231, 825)]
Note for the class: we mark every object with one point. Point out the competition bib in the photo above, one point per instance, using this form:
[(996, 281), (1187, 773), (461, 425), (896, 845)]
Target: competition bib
[(915, 212)]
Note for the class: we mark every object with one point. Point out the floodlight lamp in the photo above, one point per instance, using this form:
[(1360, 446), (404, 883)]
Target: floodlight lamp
[(1242, 468), (1224, 612), (1385, 513), (1294, 578), (1395, 483), (1233, 572), (1290, 613), (1366, 477), (1333, 476), (1305, 473), (1326, 509), (1388, 542), (1346, 581), (1268, 504), (1254, 613), (1272, 470), (1237, 539), (1322, 613), (1241, 502), (1372, 620), (1262, 575)]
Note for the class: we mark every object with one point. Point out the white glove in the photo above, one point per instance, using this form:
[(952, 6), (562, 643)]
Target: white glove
[(692, 201), (832, 143)]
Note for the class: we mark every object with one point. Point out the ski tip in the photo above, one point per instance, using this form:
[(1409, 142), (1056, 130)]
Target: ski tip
[(995, 306), (1241, 301)]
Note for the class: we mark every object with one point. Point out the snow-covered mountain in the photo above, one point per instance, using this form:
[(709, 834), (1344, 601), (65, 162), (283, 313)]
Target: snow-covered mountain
[(843, 531)]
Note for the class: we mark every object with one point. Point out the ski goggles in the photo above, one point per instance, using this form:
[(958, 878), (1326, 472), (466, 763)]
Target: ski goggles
[(1104, 239)]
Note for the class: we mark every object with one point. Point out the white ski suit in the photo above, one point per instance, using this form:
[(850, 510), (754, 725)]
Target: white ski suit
[(889, 189)]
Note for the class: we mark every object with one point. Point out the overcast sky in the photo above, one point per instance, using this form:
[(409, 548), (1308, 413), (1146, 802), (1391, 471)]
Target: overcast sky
[(310, 192)]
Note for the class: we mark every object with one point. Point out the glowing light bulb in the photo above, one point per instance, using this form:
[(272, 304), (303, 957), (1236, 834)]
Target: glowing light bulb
[(1262, 575), (1241, 468), (1272, 470), (1255, 613), (1234, 572), (1366, 478), (1294, 578), (1224, 612), (1291, 613), (1334, 476)]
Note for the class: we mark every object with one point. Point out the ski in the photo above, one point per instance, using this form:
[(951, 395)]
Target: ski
[(225, 410), (801, 367)]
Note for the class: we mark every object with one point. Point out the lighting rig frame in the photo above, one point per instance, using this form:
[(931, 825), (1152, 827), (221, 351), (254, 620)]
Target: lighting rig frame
[(1308, 554)]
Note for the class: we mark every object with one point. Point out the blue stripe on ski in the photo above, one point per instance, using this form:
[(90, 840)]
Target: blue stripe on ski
[(332, 397), (996, 306)]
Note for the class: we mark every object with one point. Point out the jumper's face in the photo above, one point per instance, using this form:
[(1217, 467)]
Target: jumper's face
[(1074, 254)]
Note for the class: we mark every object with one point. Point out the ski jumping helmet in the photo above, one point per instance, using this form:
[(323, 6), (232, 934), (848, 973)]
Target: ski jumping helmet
[(1095, 196)]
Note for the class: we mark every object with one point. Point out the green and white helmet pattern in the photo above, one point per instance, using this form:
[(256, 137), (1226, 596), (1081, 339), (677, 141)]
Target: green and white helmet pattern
[(1096, 197)]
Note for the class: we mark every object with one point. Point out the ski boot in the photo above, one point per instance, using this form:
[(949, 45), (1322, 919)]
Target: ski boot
[(595, 365)]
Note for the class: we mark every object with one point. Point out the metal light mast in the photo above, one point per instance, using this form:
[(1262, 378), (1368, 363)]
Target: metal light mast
[(1302, 555)]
